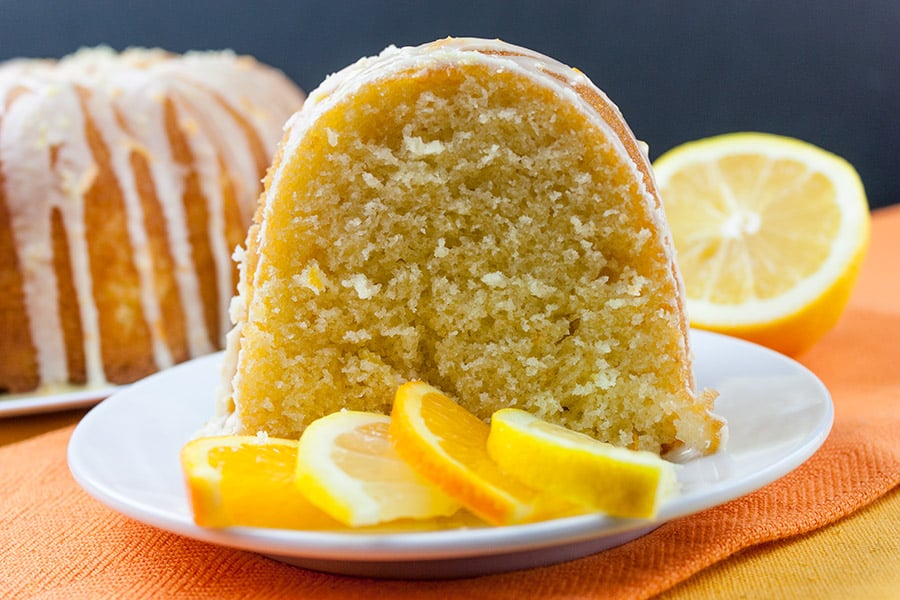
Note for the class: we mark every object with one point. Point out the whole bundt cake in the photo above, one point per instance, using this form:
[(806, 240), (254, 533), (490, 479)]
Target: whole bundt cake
[(126, 181), (478, 216)]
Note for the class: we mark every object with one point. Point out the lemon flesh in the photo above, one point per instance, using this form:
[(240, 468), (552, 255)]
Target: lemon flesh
[(593, 474), (347, 466), (770, 234)]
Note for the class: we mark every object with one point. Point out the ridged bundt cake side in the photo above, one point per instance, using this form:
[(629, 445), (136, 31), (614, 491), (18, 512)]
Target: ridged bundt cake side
[(126, 181), (477, 216)]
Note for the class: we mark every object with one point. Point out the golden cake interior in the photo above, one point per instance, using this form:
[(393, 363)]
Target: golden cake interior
[(471, 229)]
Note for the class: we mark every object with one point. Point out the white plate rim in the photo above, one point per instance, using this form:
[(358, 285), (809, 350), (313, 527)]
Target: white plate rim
[(32, 403), (439, 545)]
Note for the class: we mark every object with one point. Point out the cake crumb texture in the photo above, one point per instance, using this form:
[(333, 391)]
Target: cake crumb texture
[(464, 225)]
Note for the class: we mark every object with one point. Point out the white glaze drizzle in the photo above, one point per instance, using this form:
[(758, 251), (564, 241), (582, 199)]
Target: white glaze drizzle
[(46, 113), (103, 118), (31, 231), (206, 166)]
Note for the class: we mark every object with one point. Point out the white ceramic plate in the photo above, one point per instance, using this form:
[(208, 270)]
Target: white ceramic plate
[(125, 454), (14, 405)]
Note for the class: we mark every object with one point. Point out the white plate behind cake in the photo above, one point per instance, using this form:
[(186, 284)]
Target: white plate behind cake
[(61, 398), (125, 454)]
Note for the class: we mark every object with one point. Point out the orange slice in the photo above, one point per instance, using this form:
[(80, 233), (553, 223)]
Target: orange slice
[(448, 445), (249, 481), (347, 467), (770, 233)]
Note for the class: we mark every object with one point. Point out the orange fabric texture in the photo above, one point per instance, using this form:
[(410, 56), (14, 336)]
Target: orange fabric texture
[(56, 541)]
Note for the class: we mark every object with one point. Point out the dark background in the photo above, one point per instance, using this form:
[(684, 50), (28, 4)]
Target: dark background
[(827, 72)]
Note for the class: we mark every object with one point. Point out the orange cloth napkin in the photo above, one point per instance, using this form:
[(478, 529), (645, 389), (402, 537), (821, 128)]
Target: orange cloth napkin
[(56, 541)]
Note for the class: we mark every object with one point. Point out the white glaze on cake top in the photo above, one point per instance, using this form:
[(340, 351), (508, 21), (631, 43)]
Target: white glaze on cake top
[(47, 165)]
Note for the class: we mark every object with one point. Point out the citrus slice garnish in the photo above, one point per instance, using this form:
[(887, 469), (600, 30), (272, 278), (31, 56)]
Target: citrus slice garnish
[(448, 445), (596, 475), (770, 233), (348, 468), (248, 481)]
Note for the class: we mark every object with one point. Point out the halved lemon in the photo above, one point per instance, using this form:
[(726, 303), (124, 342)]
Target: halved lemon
[(348, 468), (770, 233), (596, 475), (249, 481)]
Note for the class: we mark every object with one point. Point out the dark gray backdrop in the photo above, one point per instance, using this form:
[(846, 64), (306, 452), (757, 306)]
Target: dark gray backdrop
[(826, 71)]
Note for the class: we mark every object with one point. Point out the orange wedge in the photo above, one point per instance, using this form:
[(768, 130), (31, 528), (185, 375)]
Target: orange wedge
[(447, 445), (249, 481)]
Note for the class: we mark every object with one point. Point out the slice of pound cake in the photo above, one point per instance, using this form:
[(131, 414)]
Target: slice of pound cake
[(480, 217)]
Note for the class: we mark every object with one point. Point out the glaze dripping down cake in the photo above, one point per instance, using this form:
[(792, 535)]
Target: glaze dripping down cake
[(126, 181), (477, 216)]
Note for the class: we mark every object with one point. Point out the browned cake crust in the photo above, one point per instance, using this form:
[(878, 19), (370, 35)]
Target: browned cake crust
[(126, 181)]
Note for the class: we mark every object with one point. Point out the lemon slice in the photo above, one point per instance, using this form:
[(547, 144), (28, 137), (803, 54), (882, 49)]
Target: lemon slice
[(347, 467), (448, 445), (770, 233), (248, 481), (599, 476)]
